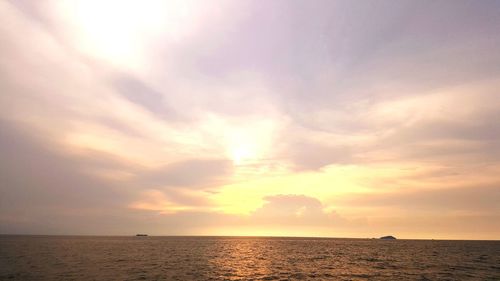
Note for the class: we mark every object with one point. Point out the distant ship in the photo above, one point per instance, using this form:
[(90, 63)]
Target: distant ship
[(388, 237), (141, 235)]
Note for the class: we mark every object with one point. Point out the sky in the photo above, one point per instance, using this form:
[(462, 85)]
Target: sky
[(282, 118)]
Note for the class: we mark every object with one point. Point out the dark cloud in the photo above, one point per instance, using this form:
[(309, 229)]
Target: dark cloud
[(138, 92), (38, 184), (312, 156), (119, 126), (43, 191), (479, 126), (33, 10), (476, 198), (193, 173), (33, 171), (462, 141)]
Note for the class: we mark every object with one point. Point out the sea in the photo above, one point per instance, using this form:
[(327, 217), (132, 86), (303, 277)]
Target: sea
[(244, 258)]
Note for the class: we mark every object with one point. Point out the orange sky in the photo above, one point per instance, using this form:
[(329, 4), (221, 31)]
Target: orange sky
[(334, 118)]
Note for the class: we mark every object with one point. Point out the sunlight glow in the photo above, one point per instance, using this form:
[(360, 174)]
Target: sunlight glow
[(122, 31)]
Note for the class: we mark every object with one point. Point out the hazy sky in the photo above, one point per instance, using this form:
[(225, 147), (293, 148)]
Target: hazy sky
[(313, 118)]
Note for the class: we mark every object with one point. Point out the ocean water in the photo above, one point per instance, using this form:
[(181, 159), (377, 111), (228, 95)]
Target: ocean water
[(248, 258)]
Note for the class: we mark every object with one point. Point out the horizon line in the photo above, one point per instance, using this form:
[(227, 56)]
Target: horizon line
[(245, 236)]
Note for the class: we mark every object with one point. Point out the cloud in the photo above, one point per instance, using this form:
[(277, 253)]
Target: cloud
[(136, 91), (193, 173), (280, 214), (40, 185), (478, 199), (294, 210), (32, 165), (314, 156)]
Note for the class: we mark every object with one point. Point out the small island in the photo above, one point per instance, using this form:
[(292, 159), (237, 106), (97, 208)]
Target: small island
[(389, 237), (141, 234)]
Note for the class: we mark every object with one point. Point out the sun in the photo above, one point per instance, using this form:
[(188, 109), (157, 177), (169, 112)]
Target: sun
[(251, 142), (243, 153), (242, 145)]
